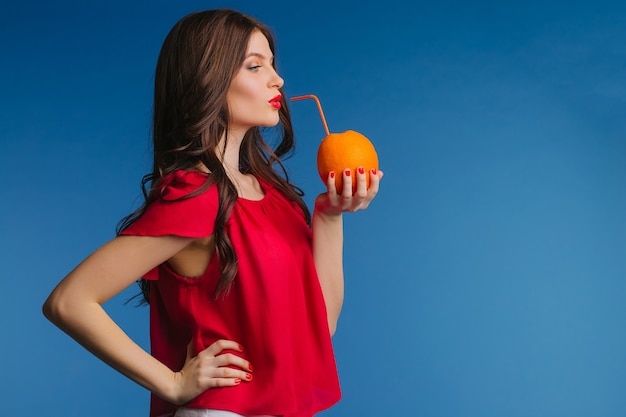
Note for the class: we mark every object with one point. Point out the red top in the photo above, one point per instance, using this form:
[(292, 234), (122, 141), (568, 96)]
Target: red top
[(275, 307)]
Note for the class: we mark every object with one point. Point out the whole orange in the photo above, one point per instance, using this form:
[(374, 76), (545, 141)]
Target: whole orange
[(349, 149)]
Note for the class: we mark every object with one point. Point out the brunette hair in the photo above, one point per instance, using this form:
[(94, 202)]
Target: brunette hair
[(199, 58)]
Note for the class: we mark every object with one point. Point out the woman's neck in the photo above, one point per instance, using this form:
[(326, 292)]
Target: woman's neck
[(229, 150), (247, 186)]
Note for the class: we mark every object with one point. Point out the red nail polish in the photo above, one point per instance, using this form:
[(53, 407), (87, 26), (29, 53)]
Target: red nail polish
[(250, 367), (248, 377), (361, 170), (332, 174), (237, 381), (347, 172), (241, 348), (373, 171)]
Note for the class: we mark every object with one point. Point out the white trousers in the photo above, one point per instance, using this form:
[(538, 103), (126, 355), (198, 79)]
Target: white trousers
[(203, 412)]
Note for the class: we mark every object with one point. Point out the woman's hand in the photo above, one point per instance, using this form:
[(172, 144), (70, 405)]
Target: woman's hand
[(211, 369), (331, 203)]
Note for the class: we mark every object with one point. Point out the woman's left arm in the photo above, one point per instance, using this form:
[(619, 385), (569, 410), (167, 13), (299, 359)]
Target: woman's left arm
[(327, 226)]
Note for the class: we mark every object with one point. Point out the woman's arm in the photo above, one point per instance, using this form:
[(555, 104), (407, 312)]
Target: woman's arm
[(75, 306), (327, 226)]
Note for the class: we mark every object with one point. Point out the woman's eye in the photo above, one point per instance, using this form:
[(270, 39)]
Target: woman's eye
[(254, 67)]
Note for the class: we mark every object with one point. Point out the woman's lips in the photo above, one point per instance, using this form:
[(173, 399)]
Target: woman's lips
[(275, 102)]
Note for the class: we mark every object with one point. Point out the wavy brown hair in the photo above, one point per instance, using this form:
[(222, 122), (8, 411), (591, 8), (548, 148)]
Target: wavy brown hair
[(197, 62)]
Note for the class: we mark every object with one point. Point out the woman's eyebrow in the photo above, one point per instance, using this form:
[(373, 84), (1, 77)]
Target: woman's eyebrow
[(259, 55)]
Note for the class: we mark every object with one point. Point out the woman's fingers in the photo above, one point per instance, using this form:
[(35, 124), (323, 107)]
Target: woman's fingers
[(215, 366), (361, 183), (362, 195), (222, 344), (217, 358), (375, 177), (346, 192), (333, 198), (331, 183), (231, 365), (228, 360), (332, 202)]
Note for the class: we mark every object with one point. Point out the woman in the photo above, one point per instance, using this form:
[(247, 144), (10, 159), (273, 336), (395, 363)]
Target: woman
[(245, 287)]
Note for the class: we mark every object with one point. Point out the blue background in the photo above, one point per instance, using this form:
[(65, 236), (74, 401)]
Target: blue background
[(488, 278)]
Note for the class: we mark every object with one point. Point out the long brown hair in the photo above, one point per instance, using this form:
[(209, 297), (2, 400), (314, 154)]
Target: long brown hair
[(199, 58)]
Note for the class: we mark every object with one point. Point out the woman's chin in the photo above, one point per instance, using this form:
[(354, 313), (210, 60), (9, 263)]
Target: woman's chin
[(270, 123)]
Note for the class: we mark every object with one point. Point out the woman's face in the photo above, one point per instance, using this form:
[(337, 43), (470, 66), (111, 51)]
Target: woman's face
[(253, 96)]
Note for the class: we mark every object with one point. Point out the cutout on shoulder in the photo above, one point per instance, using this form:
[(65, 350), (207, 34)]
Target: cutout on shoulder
[(193, 260)]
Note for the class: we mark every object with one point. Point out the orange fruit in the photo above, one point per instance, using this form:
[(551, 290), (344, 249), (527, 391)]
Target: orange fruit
[(340, 151), (349, 149)]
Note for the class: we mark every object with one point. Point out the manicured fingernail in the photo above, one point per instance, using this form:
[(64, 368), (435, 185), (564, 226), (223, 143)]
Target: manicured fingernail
[(250, 367), (332, 174), (373, 171), (361, 170), (248, 377), (347, 172), (241, 348), (237, 381)]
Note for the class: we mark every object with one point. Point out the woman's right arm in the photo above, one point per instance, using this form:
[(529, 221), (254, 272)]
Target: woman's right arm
[(75, 306)]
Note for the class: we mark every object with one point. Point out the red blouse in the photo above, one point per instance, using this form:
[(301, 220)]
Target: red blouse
[(275, 307)]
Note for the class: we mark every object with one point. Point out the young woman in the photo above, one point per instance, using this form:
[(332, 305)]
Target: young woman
[(244, 285)]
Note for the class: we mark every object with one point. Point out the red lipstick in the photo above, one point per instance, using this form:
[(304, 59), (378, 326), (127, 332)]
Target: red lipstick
[(275, 101)]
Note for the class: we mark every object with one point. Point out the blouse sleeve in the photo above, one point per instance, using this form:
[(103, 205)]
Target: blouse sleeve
[(174, 213)]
